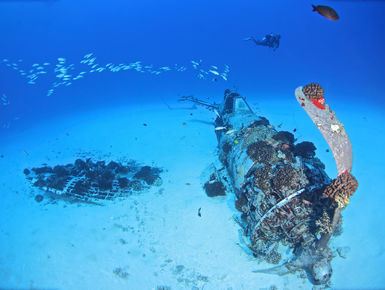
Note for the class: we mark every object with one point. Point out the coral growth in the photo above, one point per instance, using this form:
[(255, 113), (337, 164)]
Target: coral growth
[(324, 224), (273, 257), (305, 149), (240, 203), (341, 189), (42, 170), (286, 178), (313, 91), (285, 137), (226, 147), (81, 186), (150, 175), (261, 122), (39, 198), (261, 152), (85, 180), (60, 171), (262, 177), (215, 188)]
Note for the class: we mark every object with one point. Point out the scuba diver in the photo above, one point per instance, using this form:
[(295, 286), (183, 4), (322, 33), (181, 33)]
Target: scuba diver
[(270, 40)]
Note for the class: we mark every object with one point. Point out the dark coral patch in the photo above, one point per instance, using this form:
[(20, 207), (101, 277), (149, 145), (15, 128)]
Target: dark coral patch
[(215, 188), (56, 182), (81, 187), (39, 198), (105, 179), (226, 147), (305, 149), (84, 180), (285, 178), (284, 137), (261, 152), (261, 122), (262, 177), (123, 182), (60, 171), (42, 170), (148, 174), (240, 203)]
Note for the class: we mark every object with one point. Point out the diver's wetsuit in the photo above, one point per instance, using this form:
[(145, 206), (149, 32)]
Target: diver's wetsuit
[(270, 40)]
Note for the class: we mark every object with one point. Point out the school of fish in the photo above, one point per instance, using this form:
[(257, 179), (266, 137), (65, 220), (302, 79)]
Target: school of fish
[(66, 73)]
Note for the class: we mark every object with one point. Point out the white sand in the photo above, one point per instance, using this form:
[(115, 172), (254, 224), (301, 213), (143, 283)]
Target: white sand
[(157, 238)]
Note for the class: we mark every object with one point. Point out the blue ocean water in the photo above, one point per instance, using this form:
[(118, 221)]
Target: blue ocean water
[(60, 59), (336, 54)]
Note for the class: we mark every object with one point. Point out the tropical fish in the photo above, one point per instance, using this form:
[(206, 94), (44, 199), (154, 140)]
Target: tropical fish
[(326, 11)]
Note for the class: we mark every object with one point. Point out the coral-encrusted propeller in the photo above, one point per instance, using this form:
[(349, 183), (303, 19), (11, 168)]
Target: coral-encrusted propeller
[(312, 101)]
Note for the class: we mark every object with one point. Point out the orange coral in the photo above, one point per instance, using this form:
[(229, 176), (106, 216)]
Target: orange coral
[(341, 189)]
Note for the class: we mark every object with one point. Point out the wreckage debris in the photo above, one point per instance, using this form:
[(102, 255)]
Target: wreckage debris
[(290, 207), (86, 180), (215, 188), (327, 123)]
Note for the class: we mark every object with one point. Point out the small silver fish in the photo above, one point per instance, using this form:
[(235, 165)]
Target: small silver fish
[(231, 131), (220, 128), (214, 72), (195, 63)]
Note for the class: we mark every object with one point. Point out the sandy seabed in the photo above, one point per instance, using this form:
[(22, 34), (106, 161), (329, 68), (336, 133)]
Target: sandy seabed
[(156, 238)]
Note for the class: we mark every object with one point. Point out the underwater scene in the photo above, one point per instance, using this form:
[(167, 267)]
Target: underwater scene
[(192, 144)]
